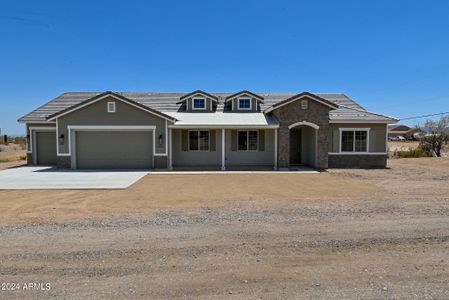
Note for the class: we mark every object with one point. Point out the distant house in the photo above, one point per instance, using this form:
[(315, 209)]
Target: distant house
[(401, 130), (205, 130)]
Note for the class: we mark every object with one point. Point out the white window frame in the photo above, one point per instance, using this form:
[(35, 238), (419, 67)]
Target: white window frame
[(200, 108), (367, 130), (199, 150), (250, 103), (247, 141), (109, 107)]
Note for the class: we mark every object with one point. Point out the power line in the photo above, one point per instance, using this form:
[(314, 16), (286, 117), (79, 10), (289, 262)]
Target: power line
[(424, 116)]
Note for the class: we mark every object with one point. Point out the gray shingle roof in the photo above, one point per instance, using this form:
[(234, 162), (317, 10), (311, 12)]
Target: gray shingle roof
[(166, 102)]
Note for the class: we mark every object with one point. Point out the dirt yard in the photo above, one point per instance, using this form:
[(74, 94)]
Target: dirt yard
[(341, 234), (11, 156)]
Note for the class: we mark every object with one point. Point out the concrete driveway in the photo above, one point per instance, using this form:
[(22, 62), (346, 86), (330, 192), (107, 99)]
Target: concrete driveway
[(25, 178)]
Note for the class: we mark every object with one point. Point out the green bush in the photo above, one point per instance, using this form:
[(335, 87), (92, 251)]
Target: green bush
[(418, 152), (23, 157)]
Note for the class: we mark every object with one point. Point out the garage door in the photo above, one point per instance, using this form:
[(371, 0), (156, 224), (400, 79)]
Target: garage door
[(46, 148), (114, 150)]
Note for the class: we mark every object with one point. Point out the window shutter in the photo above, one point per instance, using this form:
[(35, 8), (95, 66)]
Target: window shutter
[(212, 141), (261, 140), (233, 140), (185, 142)]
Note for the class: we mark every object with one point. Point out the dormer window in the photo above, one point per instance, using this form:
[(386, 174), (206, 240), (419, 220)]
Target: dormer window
[(199, 103), (245, 103)]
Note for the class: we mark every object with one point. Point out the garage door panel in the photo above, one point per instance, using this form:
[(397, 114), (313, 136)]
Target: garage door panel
[(46, 148), (114, 150)]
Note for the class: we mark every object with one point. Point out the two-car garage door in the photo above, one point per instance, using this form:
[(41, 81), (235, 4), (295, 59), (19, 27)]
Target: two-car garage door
[(114, 149)]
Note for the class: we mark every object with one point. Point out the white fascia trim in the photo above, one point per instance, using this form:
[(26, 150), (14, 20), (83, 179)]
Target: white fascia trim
[(34, 129), (42, 128), (111, 127), (243, 95), (224, 126), (270, 109), (357, 153), (354, 129), (310, 124), (361, 122), (103, 97), (37, 122), (201, 95)]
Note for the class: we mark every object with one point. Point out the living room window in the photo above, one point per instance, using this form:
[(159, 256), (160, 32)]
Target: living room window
[(248, 140), (354, 140), (245, 103), (198, 140), (199, 103)]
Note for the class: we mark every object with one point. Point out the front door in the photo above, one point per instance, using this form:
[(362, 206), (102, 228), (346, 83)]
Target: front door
[(295, 146)]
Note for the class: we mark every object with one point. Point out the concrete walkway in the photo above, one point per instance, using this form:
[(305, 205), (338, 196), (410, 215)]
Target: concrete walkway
[(26, 178)]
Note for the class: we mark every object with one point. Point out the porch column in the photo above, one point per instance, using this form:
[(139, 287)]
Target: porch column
[(223, 147), (170, 152), (275, 149)]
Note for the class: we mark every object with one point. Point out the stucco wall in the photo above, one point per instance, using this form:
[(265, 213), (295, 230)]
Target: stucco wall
[(266, 157), (232, 158), (96, 114), (377, 136), (195, 158), (28, 132)]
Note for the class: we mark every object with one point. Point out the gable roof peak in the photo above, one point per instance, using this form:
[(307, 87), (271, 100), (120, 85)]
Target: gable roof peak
[(260, 98), (184, 97)]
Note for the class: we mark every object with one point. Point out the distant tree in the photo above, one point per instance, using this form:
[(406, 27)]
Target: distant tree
[(436, 137)]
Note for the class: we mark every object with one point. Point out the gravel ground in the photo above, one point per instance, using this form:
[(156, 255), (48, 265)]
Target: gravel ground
[(390, 245)]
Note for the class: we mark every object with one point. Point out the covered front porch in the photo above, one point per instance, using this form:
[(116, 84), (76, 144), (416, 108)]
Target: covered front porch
[(226, 148)]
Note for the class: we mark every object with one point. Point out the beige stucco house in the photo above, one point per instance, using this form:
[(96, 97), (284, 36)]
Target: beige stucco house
[(200, 130)]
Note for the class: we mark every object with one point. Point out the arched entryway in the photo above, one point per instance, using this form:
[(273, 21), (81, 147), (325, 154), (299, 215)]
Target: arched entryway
[(303, 144)]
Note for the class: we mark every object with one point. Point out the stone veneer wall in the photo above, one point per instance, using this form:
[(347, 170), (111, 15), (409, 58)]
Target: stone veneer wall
[(160, 162), (29, 159), (289, 114), (358, 161), (63, 162)]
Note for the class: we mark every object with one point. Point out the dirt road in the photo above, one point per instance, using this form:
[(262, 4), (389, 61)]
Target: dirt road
[(387, 236)]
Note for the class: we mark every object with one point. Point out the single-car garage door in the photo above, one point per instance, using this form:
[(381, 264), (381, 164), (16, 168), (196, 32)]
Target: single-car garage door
[(46, 148), (114, 149)]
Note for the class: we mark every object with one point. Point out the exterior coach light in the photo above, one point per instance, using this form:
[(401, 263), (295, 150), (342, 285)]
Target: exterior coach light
[(61, 139), (160, 140)]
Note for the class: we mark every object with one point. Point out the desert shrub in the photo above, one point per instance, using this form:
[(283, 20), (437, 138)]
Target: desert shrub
[(418, 152), (4, 160), (20, 140), (23, 157)]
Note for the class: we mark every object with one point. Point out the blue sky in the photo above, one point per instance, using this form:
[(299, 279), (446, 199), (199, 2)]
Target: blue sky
[(391, 56)]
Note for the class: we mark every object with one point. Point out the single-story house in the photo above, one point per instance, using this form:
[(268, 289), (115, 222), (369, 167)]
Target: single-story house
[(244, 130), (402, 130)]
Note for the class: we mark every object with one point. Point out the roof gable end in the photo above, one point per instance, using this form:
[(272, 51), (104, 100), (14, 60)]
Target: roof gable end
[(196, 93), (244, 93), (101, 96), (299, 96)]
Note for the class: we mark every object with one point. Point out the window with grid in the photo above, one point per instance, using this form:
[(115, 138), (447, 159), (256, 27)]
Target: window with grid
[(199, 140), (199, 103), (354, 141), (244, 103), (248, 140)]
